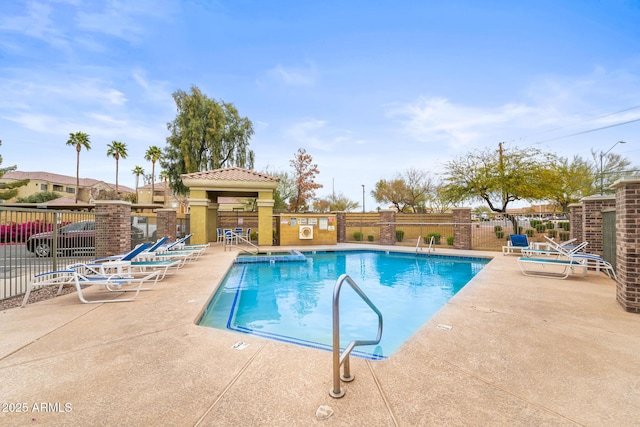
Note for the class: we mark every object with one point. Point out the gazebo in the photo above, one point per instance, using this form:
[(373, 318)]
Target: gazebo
[(205, 188)]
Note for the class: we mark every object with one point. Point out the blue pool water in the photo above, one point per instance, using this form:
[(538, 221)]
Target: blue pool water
[(292, 301)]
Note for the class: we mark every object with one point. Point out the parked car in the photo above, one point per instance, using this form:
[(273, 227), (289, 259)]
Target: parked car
[(75, 237)]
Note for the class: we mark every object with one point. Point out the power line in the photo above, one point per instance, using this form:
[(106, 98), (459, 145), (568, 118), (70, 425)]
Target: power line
[(590, 130)]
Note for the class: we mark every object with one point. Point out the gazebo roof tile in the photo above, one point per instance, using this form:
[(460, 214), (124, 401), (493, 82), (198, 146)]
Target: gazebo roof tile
[(231, 174)]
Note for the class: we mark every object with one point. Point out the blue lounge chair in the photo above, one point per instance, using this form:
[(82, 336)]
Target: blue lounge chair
[(516, 242)]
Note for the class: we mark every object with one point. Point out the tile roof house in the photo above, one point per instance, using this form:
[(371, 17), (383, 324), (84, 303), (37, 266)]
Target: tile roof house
[(90, 189)]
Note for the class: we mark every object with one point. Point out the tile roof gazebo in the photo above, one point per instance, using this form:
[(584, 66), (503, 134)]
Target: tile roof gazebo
[(205, 188)]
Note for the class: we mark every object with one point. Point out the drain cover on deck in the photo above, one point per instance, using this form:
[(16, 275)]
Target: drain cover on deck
[(240, 345), (323, 412)]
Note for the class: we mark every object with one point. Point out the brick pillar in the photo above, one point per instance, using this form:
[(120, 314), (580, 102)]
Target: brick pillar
[(592, 220), (388, 227), (575, 222), (461, 228), (341, 219), (627, 238), (113, 227), (166, 224)]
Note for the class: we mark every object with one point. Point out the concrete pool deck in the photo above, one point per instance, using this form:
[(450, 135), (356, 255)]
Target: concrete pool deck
[(520, 351)]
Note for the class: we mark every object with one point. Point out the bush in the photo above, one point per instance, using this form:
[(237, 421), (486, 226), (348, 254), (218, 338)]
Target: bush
[(520, 229), (253, 235), (450, 240), (357, 236), (370, 237), (436, 238), (534, 223), (500, 234), (399, 235), (540, 228), (564, 225), (497, 228), (564, 235), (530, 232), (549, 225), (552, 233)]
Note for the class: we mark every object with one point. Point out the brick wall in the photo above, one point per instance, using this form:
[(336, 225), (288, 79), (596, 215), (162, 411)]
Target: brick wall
[(462, 230), (113, 228), (628, 239), (592, 221), (575, 222)]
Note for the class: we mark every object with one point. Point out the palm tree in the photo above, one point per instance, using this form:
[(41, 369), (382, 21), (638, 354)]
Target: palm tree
[(79, 140), (153, 154), (137, 171), (164, 175), (117, 150)]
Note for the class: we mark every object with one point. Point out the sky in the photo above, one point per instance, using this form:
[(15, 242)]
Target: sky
[(369, 89)]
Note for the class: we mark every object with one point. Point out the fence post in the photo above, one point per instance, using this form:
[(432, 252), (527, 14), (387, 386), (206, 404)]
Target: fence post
[(387, 227), (592, 220), (627, 236), (461, 228), (166, 223), (113, 227)]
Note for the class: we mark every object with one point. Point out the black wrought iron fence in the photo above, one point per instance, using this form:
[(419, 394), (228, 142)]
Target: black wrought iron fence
[(33, 241)]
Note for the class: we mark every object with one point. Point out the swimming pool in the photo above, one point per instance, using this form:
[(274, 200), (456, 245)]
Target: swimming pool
[(292, 301)]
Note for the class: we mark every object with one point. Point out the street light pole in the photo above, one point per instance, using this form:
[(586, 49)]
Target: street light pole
[(601, 167), (362, 198)]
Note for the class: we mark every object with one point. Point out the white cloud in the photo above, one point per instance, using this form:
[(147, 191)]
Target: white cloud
[(36, 23), (294, 76)]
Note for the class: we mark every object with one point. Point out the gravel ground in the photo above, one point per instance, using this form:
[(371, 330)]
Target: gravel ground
[(37, 295)]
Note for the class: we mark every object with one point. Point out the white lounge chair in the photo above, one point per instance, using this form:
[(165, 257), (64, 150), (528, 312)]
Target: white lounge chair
[(549, 267)]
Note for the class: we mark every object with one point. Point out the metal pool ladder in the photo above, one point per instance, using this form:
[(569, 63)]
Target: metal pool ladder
[(343, 359), (429, 249)]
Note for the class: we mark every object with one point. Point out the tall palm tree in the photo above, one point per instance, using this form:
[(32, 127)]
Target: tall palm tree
[(79, 140), (153, 154), (117, 150), (164, 175), (137, 171)]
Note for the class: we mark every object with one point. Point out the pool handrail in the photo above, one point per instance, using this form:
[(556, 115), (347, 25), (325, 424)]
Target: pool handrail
[(343, 359)]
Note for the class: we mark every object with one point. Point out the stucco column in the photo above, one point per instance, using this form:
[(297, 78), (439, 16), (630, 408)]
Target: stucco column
[(627, 238), (341, 219), (199, 218), (461, 228), (265, 204)]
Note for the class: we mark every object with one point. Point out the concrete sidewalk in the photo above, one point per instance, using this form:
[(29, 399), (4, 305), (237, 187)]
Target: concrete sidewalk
[(520, 351)]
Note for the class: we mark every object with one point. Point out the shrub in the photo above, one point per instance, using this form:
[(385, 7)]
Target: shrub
[(500, 234), (450, 240), (564, 235), (530, 232), (357, 236), (436, 238), (534, 222), (552, 233), (253, 235), (550, 225), (497, 228), (399, 235), (370, 237), (520, 229), (564, 225), (540, 228)]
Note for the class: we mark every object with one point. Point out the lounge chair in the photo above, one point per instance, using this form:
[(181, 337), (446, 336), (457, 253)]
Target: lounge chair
[(516, 242), (83, 276), (552, 268), (592, 261)]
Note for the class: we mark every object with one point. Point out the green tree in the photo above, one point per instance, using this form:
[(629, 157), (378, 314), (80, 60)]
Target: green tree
[(304, 173), (568, 182), (117, 150), (335, 203), (79, 140), (407, 192), (164, 176), (440, 201), (153, 154), (206, 134), (499, 178), (137, 171), (284, 191), (10, 190)]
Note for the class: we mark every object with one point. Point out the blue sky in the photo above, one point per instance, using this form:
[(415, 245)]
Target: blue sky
[(368, 88)]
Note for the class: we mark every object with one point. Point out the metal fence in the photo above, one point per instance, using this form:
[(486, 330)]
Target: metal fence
[(33, 241)]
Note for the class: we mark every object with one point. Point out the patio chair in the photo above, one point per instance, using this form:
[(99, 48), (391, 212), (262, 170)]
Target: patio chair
[(516, 242), (592, 261), (552, 268)]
